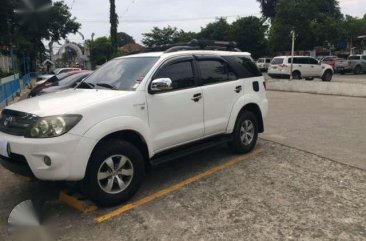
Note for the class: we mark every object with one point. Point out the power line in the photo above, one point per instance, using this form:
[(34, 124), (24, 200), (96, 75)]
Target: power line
[(128, 8), (161, 20)]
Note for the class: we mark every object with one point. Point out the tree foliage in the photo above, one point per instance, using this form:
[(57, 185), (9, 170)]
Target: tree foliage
[(313, 21), (249, 33), (268, 8), (123, 39), (218, 30), (28, 30), (101, 50), (160, 36)]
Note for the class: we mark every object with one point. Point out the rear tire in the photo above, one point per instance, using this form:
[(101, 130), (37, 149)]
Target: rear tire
[(357, 70), (327, 76), (245, 134), (114, 173), (296, 75)]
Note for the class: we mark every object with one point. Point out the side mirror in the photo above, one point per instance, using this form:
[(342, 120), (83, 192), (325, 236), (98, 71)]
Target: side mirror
[(162, 84)]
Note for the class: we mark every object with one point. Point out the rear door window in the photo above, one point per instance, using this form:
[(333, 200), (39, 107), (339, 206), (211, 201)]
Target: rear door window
[(277, 61), (313, 61), (215, 71)]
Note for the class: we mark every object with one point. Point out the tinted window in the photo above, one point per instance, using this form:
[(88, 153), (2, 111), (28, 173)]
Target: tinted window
[(260, 60), (268, 61), (299, 60), (277, 61), (364, 57), (213, 71), (354, 57), (180, 73), (122, 74), (313, 61)]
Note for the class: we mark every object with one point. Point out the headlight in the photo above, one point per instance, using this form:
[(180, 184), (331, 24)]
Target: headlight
[(52, 126)]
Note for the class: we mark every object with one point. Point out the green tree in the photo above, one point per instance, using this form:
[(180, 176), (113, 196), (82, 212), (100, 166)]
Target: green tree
[(250, 35), (353, 27), (101, 50), (160, 36), (113, 19), (308, 18), (218, 30), (268, 8), (123, 39), (184, 37)]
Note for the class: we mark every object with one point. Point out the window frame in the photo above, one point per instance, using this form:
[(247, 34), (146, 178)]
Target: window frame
[(172, 61)]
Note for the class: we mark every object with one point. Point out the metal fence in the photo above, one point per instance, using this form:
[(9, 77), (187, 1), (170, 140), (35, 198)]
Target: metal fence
[(9, 90)]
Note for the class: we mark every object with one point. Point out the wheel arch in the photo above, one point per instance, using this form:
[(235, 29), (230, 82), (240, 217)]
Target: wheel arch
[(252, 107), (131, 136)]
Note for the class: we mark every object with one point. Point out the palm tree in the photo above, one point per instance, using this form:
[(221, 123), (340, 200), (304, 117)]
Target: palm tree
[(113, 19)]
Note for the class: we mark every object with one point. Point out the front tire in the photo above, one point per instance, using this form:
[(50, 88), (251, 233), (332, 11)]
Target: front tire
[(114, 173), (327, 76), (245, 135)]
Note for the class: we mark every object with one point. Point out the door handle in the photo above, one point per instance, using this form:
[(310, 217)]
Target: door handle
[(238, 89), (197, 97)]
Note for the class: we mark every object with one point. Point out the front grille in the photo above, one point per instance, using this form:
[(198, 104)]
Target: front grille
[(15, 122)]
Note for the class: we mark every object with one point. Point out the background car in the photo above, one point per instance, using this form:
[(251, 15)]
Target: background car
[(330, 60), (65, 70), (49, 82), (303, 67), (42, 78), (65, 83), (263, 63)]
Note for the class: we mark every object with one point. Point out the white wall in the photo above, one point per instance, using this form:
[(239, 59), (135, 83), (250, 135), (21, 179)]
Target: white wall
[(5, 63)]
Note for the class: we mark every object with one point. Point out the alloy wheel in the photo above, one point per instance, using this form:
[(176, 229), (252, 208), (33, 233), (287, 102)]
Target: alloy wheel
[(115, 174)]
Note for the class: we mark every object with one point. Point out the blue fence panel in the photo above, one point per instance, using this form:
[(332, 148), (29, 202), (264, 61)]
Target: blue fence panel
[(26, 79), (8, 90)]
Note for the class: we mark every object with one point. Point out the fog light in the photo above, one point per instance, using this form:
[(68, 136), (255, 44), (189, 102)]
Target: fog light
[(47, 161)]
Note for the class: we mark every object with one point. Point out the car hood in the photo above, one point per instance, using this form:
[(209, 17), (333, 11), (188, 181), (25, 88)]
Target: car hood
[(71, 101)]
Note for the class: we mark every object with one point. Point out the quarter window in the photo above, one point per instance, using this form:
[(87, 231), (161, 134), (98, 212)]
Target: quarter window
[(214, 71), (181, 74)]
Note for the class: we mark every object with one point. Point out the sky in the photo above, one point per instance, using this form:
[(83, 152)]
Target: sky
[(140, 16)]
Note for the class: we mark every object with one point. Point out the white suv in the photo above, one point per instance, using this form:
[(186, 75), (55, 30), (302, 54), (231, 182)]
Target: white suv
[(303, 67), (132, 113)]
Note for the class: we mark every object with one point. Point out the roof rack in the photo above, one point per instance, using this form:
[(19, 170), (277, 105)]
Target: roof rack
[(196, 45)]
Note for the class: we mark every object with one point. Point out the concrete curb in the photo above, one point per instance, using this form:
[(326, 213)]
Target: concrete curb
[(325, 88)]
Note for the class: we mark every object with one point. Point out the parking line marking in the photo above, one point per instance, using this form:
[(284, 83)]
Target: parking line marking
[(176, 187)]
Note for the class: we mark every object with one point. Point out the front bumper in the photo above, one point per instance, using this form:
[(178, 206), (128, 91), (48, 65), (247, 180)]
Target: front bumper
[(69, 156), (17, 164)]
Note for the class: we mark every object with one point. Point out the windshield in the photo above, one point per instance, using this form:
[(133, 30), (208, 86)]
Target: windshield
[(122, 74)]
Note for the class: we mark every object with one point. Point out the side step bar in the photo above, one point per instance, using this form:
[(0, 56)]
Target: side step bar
[(188, 149)]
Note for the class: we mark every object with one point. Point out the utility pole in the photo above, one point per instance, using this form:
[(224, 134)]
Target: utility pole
[(292, 34)]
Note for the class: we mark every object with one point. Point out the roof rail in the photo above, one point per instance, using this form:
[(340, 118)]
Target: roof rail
[(205, 45)]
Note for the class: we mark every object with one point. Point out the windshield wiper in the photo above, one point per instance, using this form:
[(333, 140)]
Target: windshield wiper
[(105, 85), (90, 85)]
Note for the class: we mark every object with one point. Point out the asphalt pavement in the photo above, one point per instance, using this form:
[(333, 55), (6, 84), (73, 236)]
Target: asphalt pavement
[(307, 183)]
